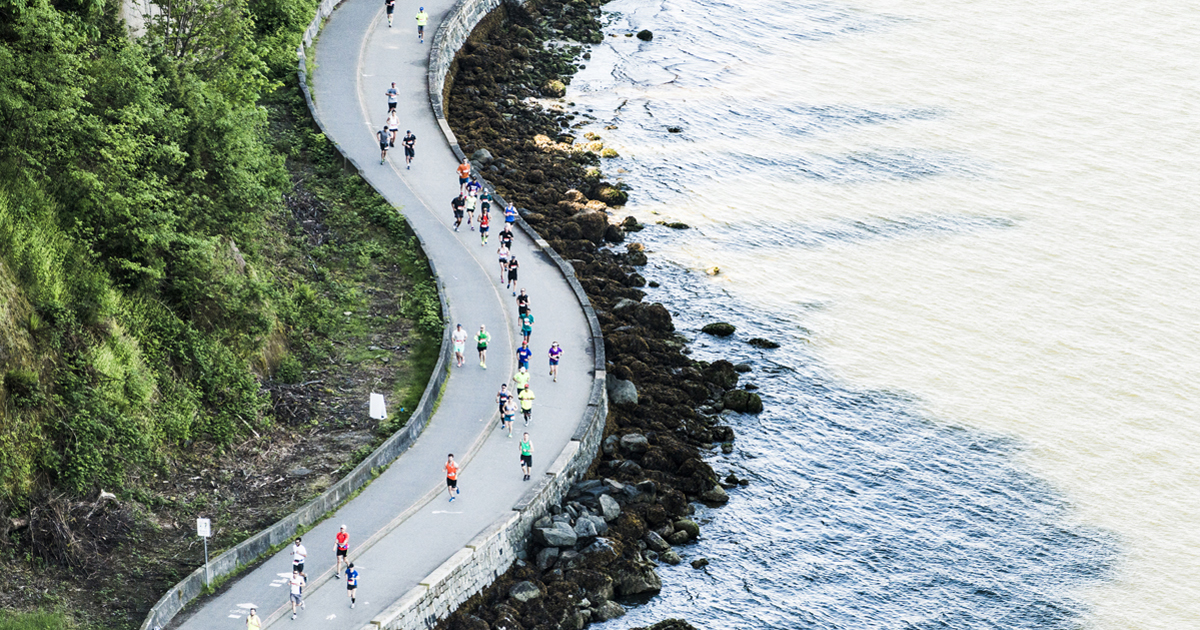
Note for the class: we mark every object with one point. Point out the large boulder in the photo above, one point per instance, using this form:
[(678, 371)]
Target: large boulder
[(560, 535), (546, 558), (656, 542), (742, 401), (634, 443), (585, 528), (656, 317), (715, 494), (609, 507), (608, 610), (592, 224), (718, 329), (721, 373), (621, 392), (631, 578), (524, 591), (689, 526)]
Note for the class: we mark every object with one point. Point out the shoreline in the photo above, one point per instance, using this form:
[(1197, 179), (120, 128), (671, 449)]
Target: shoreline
[(634, 504)]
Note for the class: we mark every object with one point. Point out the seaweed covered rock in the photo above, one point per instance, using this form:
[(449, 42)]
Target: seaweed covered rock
[(718, 329)]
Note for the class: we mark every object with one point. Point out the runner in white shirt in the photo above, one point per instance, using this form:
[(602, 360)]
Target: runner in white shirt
[(297, 589), (393, 125), (459, 337), (299, 553)]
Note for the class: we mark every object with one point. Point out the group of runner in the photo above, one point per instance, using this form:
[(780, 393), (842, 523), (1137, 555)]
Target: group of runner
[(391, 128), (472, 196), (299, 579)]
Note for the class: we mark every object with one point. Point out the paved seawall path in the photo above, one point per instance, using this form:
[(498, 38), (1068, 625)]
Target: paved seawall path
[(401, 526)]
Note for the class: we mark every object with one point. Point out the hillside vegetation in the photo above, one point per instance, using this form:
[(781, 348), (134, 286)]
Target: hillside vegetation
[(176, 247)]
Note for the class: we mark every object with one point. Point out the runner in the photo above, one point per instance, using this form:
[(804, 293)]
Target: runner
[(459, 337), (507, 415), (451, 477), (523, 356), (481, 344), (410, 148), (474, 186), (485, 222), (506, 236), (512, 273), (471, 202), (457, 205), (391, 6), (392, 93), (485, 202), (422, 20), (510, 213), (384, 138), (526, 455), (502, 397), (526, 325), (296, 584), (464, 174), (393, 125), (503, 254), (253, 622), (555, 355), (341, 548), (351, 582), (521, 379), (299, 554), (526, 397), (522, 302)]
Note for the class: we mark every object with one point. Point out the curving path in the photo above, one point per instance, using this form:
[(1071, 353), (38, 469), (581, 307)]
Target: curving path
[(401, 525)]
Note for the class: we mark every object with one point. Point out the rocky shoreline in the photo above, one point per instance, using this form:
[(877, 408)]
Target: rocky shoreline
[(632, 510)]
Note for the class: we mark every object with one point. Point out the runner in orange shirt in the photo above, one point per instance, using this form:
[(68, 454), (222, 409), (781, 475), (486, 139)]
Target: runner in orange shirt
[(464, 175), (451, 477)]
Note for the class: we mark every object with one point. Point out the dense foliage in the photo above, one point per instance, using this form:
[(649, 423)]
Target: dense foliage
[(136, 180)]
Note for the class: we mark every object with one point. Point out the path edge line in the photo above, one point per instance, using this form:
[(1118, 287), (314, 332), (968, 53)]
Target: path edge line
[(491, 552)]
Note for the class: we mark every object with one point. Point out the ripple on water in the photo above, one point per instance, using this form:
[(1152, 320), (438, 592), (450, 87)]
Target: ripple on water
[(862, 512)]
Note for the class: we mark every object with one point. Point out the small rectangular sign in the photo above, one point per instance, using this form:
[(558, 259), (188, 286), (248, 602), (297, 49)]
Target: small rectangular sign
[(378, 411), (203, 528)]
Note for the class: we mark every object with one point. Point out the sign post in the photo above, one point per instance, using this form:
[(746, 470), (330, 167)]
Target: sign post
[(204, 530)]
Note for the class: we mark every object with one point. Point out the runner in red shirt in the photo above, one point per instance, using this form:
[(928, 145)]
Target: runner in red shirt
[(484, 223), (451, 477), (342, 548)]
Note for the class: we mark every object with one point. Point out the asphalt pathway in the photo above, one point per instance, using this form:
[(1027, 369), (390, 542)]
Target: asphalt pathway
[(401, 526)]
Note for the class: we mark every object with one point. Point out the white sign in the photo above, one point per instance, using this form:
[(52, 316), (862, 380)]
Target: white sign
[(203, 528), (378, 411)]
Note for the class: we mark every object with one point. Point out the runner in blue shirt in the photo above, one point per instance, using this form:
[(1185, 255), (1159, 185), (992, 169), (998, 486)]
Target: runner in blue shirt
[(351, 582), (510, 213), (523, 355)]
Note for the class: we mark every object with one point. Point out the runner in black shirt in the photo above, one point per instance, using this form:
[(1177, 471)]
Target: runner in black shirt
[(410, 142)]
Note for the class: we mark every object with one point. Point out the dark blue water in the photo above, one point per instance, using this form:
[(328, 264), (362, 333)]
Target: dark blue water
[(861, 512)]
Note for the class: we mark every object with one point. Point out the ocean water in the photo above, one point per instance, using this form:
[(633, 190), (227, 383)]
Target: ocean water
[(973, 228)]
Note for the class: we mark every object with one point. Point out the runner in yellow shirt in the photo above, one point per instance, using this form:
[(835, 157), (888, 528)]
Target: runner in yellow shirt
[(422, 20), (253, 622), (526, 397)]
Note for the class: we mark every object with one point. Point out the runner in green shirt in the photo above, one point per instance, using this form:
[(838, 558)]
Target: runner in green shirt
[(526, 455), (422, 20), (481, 343)]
